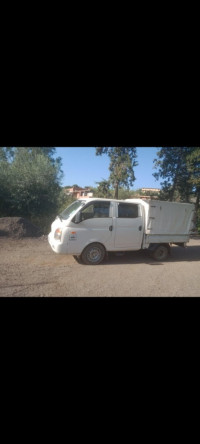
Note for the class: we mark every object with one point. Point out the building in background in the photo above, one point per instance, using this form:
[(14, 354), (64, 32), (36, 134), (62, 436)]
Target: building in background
[(150, 190), (78, 193), (150, 193)]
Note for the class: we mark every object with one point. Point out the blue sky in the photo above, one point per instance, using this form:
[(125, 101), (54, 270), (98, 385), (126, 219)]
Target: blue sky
[(82, 167)]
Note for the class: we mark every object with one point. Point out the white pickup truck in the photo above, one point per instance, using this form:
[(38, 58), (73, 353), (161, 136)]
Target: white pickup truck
[(89, 228)]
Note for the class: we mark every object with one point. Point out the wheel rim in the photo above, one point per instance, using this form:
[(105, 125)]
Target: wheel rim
[(94, 255)]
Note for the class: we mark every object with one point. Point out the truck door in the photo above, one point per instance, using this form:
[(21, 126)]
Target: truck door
[(128, 227), (96, 225)]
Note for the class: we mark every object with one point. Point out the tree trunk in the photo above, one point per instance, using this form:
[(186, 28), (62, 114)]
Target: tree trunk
[(174, 186), (116, 190), (173, 189)]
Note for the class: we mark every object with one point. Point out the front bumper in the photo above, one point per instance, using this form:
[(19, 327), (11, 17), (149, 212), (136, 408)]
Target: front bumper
[(56, 246)]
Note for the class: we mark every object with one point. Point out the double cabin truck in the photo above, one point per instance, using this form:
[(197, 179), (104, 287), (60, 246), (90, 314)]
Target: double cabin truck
[(90, 228)]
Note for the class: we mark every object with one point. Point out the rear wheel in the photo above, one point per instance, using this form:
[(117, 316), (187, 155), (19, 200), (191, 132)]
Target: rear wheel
[(160, 253), (93, 254)]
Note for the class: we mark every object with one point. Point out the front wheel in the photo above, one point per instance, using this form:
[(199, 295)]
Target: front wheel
[(160, 253), (77, 259), (93, 254)]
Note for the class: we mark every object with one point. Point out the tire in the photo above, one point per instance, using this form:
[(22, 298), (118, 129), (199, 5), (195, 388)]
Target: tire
[(160, 253), (93, 254), (77, 259)]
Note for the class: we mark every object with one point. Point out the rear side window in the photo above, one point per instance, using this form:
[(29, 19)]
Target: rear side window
[(127, 210)]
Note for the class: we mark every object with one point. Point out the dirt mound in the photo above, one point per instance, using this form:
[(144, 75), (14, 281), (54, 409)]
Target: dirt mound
[(18, 227)]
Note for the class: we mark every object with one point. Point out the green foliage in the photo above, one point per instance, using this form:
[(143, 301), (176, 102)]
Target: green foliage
[(193, 166), (44, 221), (29, 182), (176, 166), (35, 150), (103, 189), (64, 201), (180, 169), (122, 162), (125, 194)]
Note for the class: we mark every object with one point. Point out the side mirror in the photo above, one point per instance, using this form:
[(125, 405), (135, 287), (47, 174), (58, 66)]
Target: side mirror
[(77, 218)]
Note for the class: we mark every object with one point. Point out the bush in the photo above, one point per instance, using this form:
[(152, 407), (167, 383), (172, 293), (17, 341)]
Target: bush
[(42, 222), (29, 185)]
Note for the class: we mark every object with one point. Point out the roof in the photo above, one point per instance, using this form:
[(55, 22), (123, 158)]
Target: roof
[(91, 199)]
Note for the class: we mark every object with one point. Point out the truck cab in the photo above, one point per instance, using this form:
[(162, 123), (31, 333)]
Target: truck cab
[(89, 228)]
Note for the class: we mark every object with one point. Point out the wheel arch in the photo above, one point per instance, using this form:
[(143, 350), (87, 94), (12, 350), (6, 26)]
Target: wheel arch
[(94, 257), (93, 241), (152, 247)]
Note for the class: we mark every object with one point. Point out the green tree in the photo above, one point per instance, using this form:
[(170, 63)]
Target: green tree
[(193, 166), (8, 153), (29, 182), (103, 189), (64, 200), (123, 193), (94, 191), (172, 165), (122, 162)]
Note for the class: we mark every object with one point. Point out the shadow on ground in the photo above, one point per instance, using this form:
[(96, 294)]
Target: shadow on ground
[(3, 233), (178, 254)]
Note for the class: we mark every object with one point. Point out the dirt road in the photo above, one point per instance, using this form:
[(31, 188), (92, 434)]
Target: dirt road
[(28, 267)]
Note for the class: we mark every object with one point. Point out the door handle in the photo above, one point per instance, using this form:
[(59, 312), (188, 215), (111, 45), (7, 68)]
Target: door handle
[(140, 228), (110, 228)]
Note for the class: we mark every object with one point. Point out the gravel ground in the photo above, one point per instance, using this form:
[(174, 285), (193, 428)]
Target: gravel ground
[(28, 267)]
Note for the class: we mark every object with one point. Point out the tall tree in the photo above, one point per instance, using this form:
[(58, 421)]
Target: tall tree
[(172, 166), (122, 163), (193, 166)]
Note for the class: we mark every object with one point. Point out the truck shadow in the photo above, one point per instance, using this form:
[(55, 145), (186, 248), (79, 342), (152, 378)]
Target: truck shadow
[(3, 233), (178, 254)]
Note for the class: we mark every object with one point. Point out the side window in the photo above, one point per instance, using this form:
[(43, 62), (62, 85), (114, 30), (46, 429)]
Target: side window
[(96, 210), (127, 210)]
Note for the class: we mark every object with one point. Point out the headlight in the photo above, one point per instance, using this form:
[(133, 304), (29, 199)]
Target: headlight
[(58, 234)]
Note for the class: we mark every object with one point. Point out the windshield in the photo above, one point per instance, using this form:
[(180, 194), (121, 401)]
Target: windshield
[(70, 211)]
